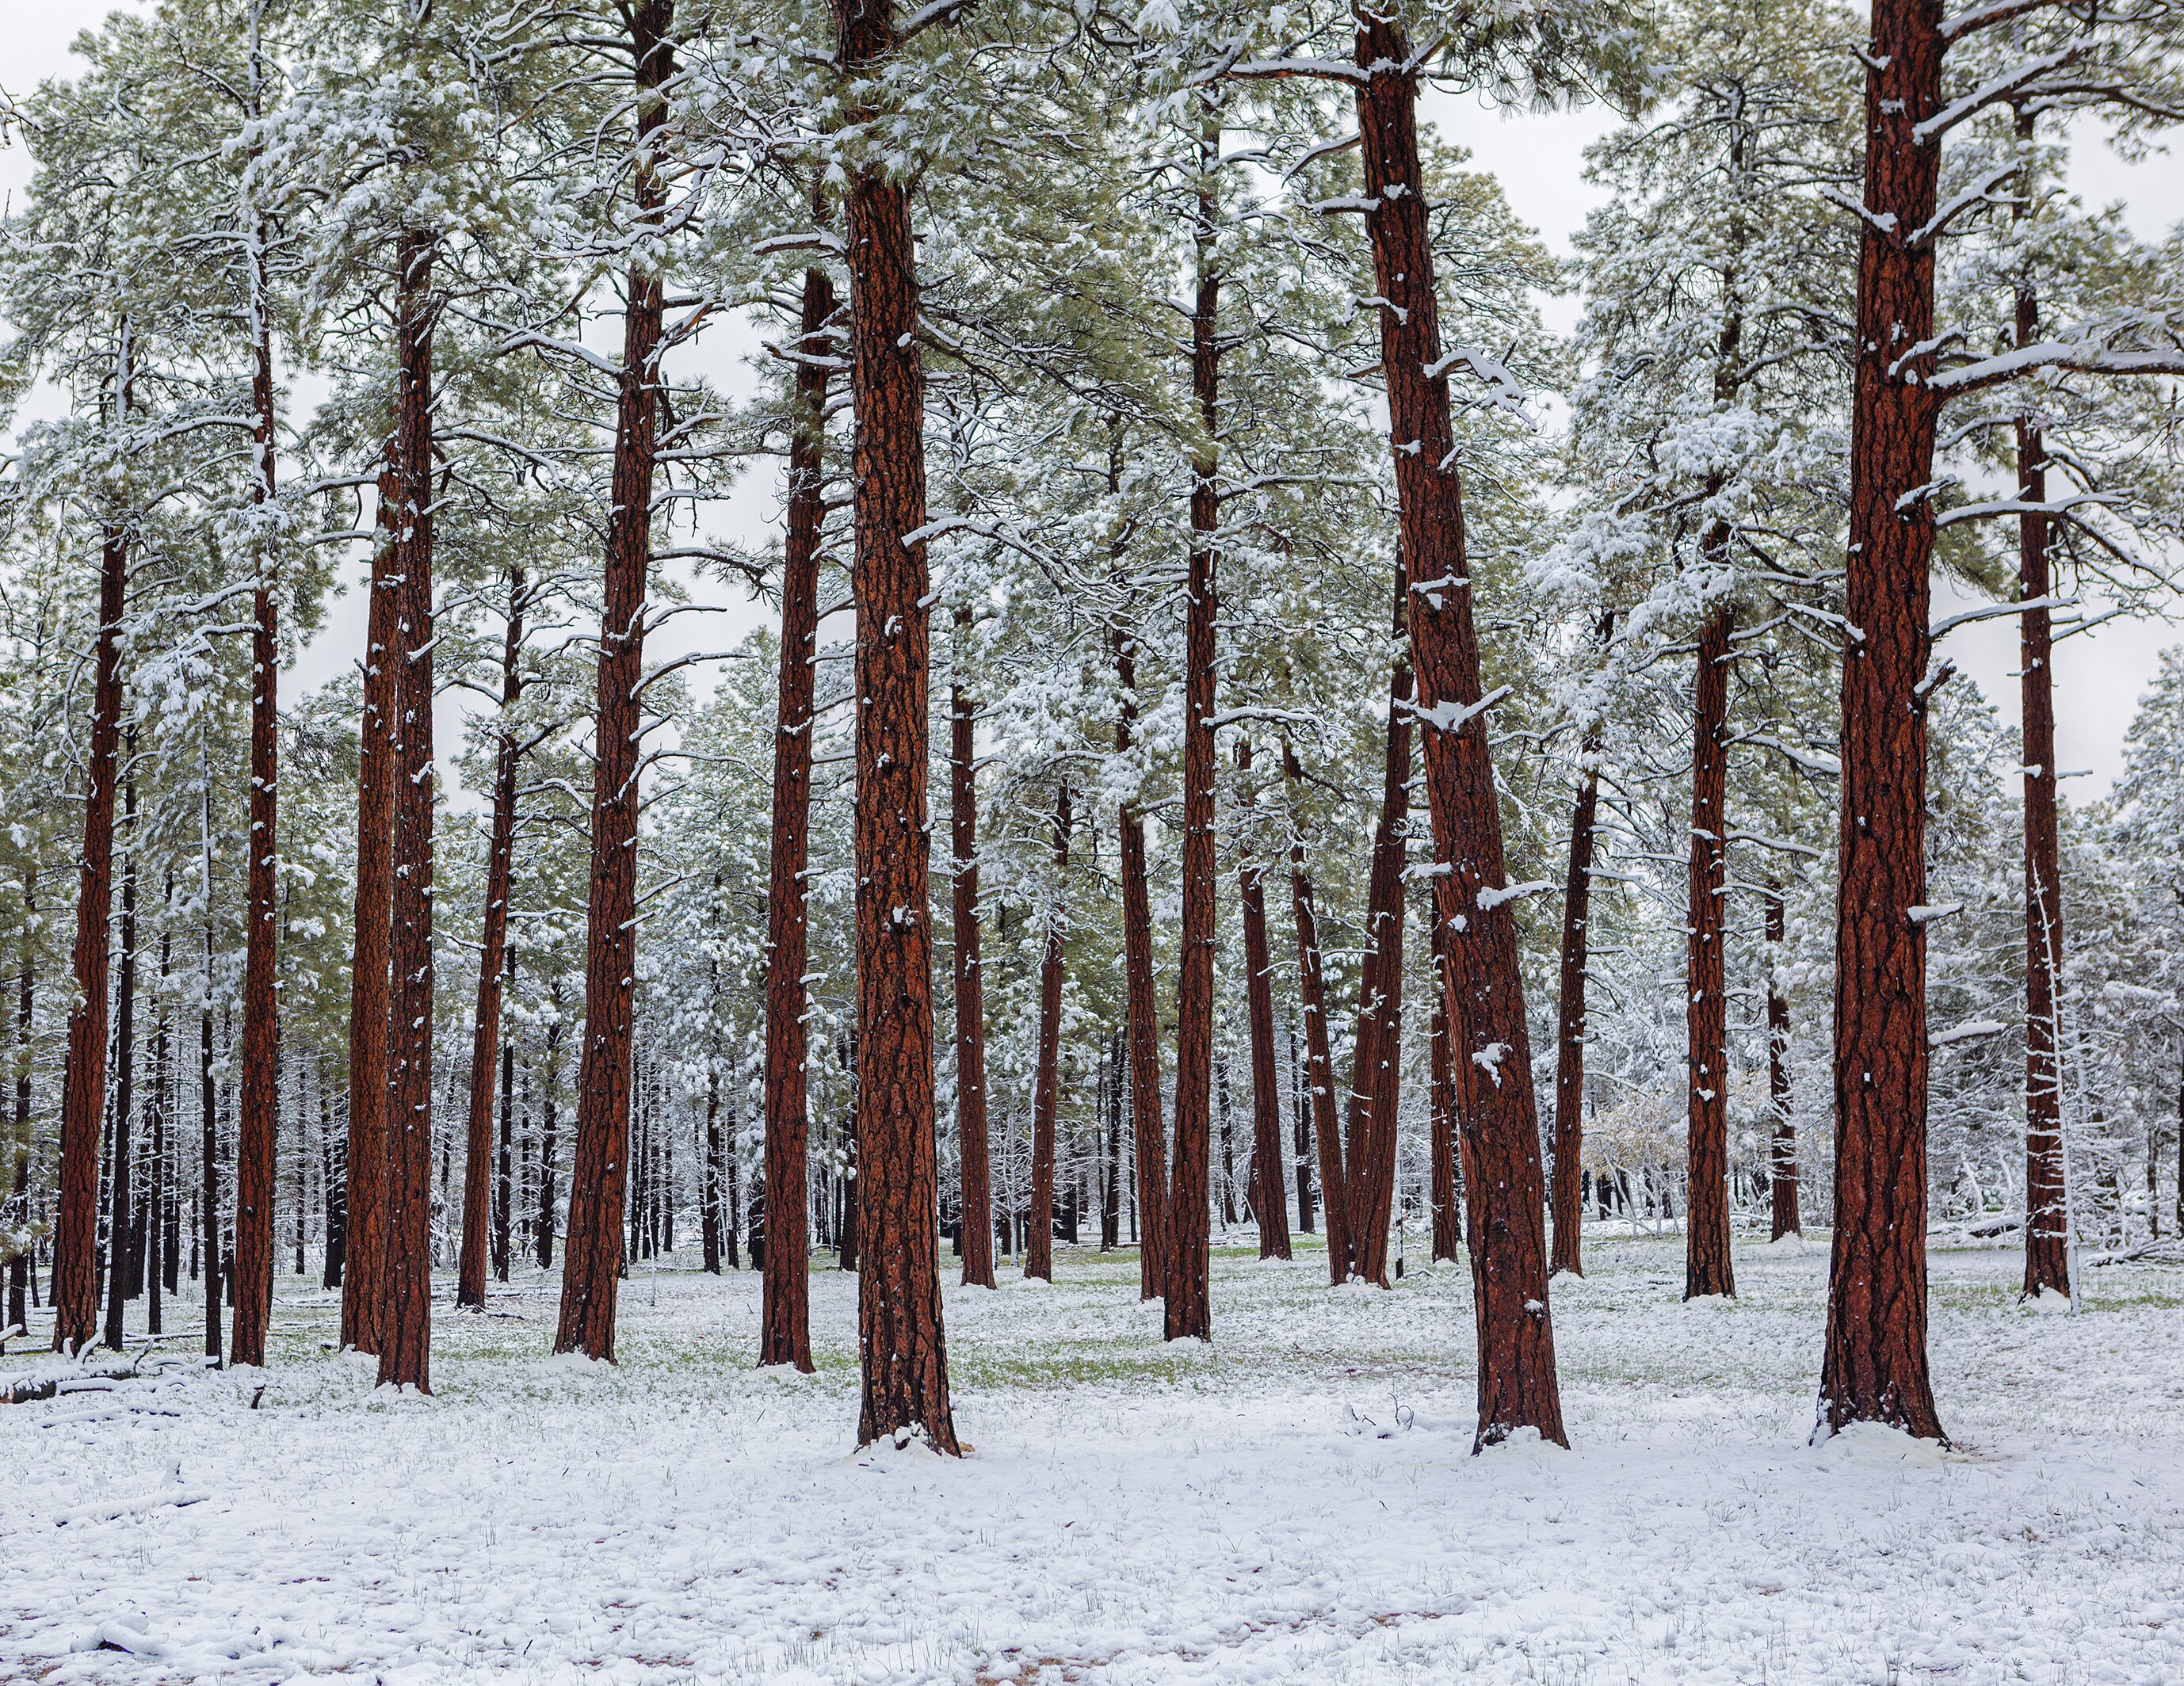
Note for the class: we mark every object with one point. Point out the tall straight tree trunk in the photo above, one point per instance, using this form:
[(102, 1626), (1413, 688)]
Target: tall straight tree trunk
[(1319, 1063), (784, 1329), (900, 1340), (1046, 1086), (547, 1139), (83, 1079), (1141, 1013), (158, 1239), (1270, 1205), (504, 1210), (1875, 1367), (1517, 1381), (1782, 1154), (492, 965), (2046, 1221), (208, 1158), (598, 1177), (1448, 1212), (975, 1219), (405, 1260), (1570, 1007), (1185, 1241), (1376, 1064), (362, 1294), (258, 1144), (119, 1225), (1708, 1269), (18, 1267)]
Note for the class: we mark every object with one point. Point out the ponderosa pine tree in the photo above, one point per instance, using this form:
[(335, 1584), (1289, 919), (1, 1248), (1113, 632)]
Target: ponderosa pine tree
[(1270, 1208), (975, 1211), (1039, 1238)]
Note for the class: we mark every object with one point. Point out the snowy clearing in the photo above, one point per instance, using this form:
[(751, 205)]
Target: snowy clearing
[(1296, 1503)]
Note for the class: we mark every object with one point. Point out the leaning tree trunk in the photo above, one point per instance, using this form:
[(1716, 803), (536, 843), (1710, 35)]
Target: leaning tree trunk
[(1707, 1267), (1319, 1063), (1569, 1194), (83, 1080), (1270, 1203), (975, 1219), (1039, 1243), (405, 1260), (493, 963), (784, 1324), (900, 1340), (1447, 1210), (1875, 1367), (1376, 1064), (121, 1190), (598, 1176), (1516, 1382), (1782, 1153), (365, 1159), (1148, 1138)]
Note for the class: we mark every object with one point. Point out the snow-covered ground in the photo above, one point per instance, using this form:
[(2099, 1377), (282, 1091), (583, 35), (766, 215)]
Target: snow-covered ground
[(1296, 1503)]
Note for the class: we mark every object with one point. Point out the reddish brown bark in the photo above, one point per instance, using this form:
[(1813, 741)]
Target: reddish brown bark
[(1270, 1203), (120, 1181), (208, 1156), (19, 1211), (598, 1177), (492, 965), (1148, 1135), (1447, 1213), (366, 1158), (1875, 1366), (1046, 1084), (405, 1258), (901, 1339), (258, 1144), (1708, 1269), (975, 1220), (1570, 1007), (1782, 1153), (1517, 1380), (1319, 1064), (83, 1081)]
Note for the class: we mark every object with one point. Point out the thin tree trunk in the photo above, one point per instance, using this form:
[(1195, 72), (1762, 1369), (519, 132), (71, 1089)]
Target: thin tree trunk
[(901, 1341), (493, 964), (1707, 1270), (1570, 1026), (1039, 1243), (1319, 1064), (18, 1267), (405, 1261), (974, 1224), (1141, 1012), (1447, 1208), (547, 1139), (1300, 1110), (83, 1080), (1782, 1156), (1875, 1367), (208, 1154), (119, 1226), (1517, 1381), (599, 1178), (1270, 1205), (157, 1239), (785, 1336)]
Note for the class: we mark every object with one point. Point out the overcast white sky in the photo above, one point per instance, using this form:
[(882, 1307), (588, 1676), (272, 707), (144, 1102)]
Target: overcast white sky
[(1538, 158)]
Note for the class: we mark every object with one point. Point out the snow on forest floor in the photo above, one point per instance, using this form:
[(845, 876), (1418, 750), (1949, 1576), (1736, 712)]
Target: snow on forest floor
[(1296, 1503)]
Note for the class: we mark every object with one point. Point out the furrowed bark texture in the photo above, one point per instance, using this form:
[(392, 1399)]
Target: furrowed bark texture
[(479, 1248), (1706, 1266), (599, 1178), (405, 1262), (1447, 1213), (1782, 1153), (209, 1167), (1039, 1243), (1148, 1136), (785, 1328), (1319, 1063), (18, 1267), (975, 1224), (1570, 1009), (901, 1342), (1875, 1367), (1270, 1203), (258, 1144), (366, 1167), (1504, 1184), (121, 1182)]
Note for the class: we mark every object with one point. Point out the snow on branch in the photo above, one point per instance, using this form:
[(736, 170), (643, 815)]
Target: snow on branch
[(1967, 1032), (1502, 392), (2089, 355), (1992, 91), (2020, 506), (1994, 610), (1490, 898), (1455, 716)]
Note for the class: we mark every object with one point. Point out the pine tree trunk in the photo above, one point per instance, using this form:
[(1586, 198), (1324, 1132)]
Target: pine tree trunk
[(784, 1332), (119, 1226), (593, 1255), (83, 1080), (1570, 1008), (1141, 1012), (405, 1260), (1708, 1269), (208, 1161), (1517, 1381), (1875, 1366), (18, 1267), (901, 1343), (1782, 1156), (493, 964), (364, 1206), (1319, 1063), (1447, 1208), (1270, 1207), (1038, 1243), (975, 1219), (548, 1140)]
